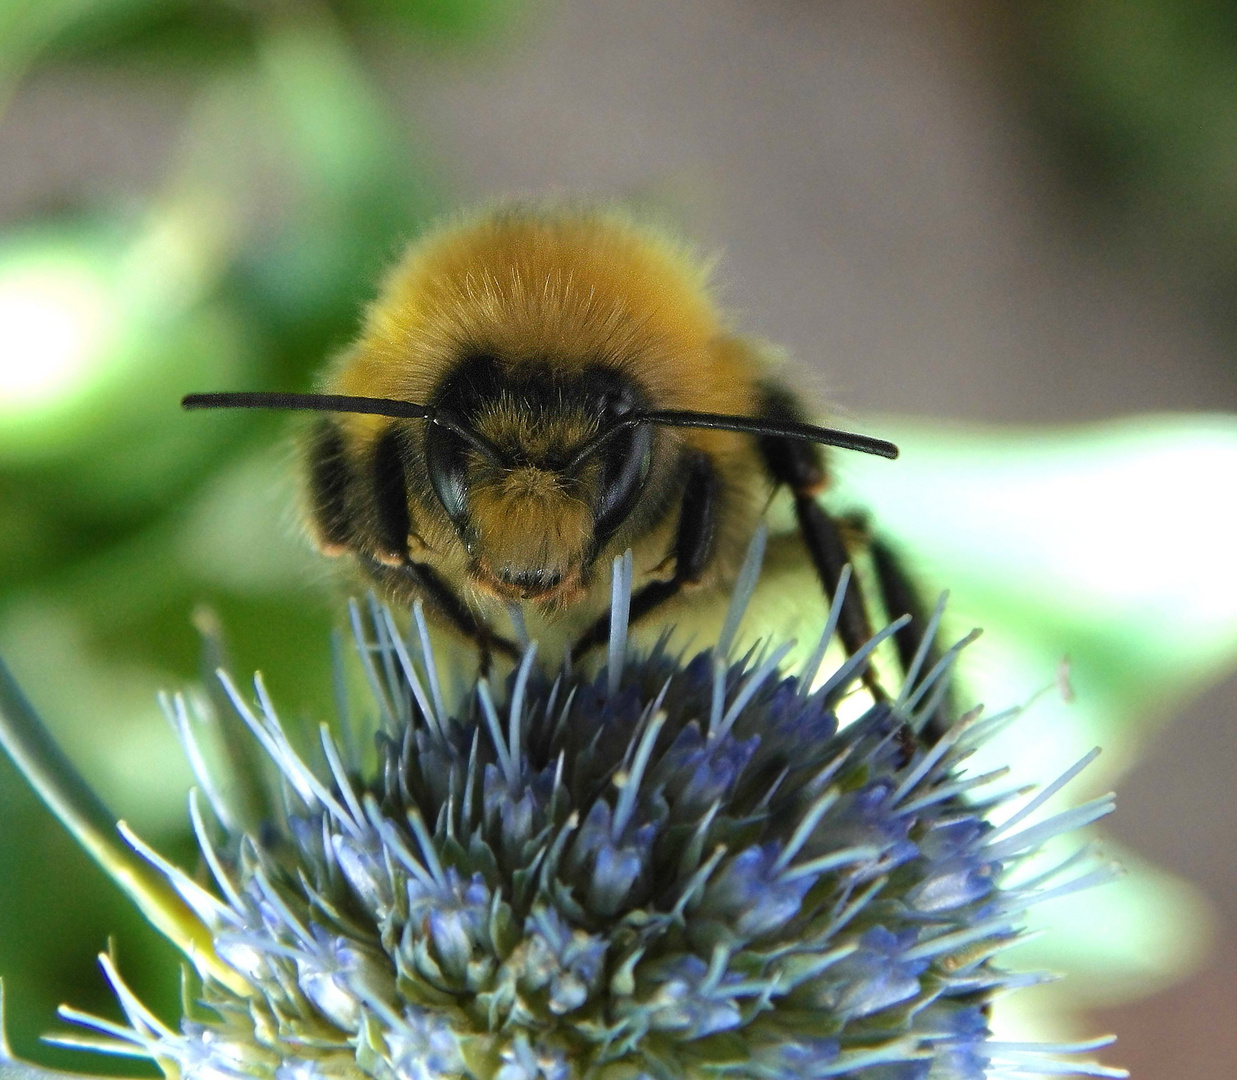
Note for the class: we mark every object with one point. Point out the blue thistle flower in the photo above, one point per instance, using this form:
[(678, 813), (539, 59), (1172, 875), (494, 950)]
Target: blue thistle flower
[(665, 869)]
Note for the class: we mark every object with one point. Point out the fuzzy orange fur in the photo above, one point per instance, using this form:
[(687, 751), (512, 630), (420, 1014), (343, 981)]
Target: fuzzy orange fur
[(577, 286)]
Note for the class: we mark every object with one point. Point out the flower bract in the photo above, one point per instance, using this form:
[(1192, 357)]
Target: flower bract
[(672, 866)]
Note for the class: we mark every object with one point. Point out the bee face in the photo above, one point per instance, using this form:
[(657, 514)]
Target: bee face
[(512, 473)]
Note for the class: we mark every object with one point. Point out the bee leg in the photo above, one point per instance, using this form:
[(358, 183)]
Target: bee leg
[(801, 467), (381, 547), (451, 607), (900, 597), (429, 585), (693, 548)]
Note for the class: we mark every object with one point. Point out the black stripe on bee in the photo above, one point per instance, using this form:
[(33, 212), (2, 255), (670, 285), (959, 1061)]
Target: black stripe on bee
[(392, 521), (330, 481)]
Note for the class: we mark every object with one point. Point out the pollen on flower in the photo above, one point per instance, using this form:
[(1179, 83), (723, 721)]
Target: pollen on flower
[(677, 866)]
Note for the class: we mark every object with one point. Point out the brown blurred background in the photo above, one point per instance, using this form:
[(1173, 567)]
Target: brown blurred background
[(937, 207)]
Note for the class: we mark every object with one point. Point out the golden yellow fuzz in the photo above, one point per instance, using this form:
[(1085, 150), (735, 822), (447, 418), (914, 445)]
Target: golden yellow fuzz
[(576, 286), (528, 521)]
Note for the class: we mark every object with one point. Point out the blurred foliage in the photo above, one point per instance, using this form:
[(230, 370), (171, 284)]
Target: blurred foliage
[(292, 184), (1140, 100)]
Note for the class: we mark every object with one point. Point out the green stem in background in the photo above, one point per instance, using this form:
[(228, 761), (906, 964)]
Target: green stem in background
[(67, 794)]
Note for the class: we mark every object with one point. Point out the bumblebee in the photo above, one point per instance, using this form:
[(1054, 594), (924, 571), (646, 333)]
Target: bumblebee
[(536, 390)]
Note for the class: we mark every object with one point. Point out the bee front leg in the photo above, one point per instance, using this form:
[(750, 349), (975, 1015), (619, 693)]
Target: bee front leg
[(439, 597), (694, 544), (337, 508)]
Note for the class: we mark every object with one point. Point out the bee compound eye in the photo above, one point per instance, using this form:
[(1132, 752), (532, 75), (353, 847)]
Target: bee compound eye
[(446, 460), (625, 463)]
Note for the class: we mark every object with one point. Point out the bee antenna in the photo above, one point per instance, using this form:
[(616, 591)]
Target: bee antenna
[(403, 410), (346, 403), (746, 425), (778, 429)]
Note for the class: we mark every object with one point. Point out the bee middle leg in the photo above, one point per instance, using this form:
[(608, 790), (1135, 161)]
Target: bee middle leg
[(694, 544), (830, 541), (900, 596)]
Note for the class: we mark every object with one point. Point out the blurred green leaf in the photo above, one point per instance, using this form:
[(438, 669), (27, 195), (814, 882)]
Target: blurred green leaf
[(448, 21), (1139, 82), (79, 809), (128, 752), (1140, 102), (353, 181), (196, 34), (44, 959), (1108, 544), (107, 327), (46, 30)]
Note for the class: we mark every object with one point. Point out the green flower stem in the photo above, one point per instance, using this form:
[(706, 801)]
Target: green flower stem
[(68, 796)]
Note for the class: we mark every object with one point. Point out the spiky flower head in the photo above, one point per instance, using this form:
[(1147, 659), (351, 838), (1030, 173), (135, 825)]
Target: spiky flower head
[(676, 867)]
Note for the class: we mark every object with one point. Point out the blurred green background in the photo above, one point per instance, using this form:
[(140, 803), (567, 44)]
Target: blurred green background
[(961, 211)]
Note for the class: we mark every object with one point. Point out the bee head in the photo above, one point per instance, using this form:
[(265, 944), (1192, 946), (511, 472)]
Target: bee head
[(532, 510), (536, 467)]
